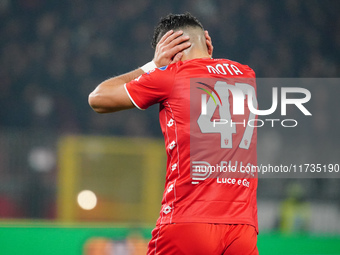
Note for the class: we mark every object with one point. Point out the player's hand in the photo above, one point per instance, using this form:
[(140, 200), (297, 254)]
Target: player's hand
[(209, 43), (169, 48)]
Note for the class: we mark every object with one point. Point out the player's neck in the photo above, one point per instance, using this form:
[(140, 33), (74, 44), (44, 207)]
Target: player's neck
[(194, 55), (198, 47)]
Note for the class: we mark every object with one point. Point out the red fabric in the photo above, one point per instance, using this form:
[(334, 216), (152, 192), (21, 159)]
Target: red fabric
[(203, 238), (211, 200)]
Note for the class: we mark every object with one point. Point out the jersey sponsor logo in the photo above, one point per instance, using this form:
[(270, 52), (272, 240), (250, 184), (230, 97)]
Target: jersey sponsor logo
[(172, 145), (167, 209), (199, 171), (163, 68), (173, 167), (233, 181), (170, 123), (171, 187)]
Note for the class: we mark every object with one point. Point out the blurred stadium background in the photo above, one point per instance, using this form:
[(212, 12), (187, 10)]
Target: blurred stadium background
[(53, 146)]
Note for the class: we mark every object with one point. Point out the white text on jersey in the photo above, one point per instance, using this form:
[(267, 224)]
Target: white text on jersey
[(224, 69)]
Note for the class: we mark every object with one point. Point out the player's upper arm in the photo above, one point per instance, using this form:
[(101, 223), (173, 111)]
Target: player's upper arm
[(151, 88), (110, 98)]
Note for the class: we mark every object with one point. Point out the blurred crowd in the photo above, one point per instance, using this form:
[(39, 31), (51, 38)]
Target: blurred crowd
[(54, 53)]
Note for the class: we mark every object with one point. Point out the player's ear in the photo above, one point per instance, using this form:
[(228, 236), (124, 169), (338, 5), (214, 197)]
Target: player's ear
[(209, 43)]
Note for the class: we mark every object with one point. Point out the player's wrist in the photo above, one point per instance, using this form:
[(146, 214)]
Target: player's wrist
[(149, 66)]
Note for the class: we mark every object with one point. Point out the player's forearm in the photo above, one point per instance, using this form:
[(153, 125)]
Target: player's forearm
[(113, 82), (109, 95)]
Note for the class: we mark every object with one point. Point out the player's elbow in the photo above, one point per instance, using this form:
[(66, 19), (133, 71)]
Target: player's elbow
[(109, 100), (96, 103)]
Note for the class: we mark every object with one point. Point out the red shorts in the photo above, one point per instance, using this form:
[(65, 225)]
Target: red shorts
[(203, 238)]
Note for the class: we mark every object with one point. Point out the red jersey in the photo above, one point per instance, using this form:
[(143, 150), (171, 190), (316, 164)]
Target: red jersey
[(205, 127)]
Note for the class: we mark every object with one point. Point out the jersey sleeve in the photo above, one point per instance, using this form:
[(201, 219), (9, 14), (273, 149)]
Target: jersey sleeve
[(150, 88)]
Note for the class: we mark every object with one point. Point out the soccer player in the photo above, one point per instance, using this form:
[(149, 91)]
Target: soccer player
[(201, 213)]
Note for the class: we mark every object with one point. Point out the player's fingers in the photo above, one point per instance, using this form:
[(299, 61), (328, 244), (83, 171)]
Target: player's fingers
[(179, 40), (179, 48), (172, 37), (177, 57), (165, 36)]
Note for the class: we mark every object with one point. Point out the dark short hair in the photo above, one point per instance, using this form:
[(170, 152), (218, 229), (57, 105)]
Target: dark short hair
[(174, 21)]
